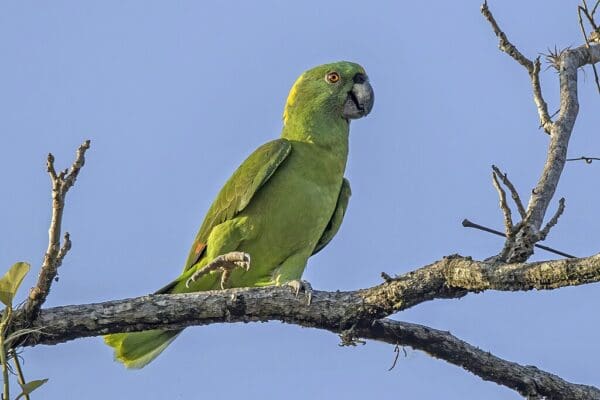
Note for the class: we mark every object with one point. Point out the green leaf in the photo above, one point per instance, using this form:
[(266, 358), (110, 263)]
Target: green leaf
[(31, 386), (11, 281)]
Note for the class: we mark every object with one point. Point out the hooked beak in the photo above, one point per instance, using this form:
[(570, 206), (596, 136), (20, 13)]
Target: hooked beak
[(360, 98)]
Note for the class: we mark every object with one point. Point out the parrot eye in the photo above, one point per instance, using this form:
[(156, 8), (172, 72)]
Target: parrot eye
[(332, 77)]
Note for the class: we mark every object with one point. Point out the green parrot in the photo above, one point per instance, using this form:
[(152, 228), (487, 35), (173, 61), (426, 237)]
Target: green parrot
[(282, 205)]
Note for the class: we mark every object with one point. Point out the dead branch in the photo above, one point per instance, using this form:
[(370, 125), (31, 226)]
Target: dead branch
[(508, 224), (451, 277), (532, 67), (594, 34), (61, 183), (339, 312), (519, 247), (513, 191)]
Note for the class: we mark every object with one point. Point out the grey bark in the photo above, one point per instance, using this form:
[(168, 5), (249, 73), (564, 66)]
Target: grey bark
[(345, 313)]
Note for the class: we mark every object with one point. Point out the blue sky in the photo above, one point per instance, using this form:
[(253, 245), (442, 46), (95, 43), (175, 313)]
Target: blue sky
[(174, 95)]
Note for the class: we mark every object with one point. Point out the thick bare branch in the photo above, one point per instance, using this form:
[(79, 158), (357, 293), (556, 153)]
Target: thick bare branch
[(571, 61), (529, 381), (451, 277), (61, 183), (455, 276), (338, 312)]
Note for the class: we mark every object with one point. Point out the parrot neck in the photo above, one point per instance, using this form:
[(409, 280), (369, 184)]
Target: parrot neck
[(325, 131)]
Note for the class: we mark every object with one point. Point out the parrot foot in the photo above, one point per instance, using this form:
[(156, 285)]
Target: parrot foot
[(301, 285), (226, 263)]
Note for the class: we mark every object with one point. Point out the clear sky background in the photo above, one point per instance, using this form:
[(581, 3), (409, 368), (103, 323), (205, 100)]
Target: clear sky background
[(174, 95)]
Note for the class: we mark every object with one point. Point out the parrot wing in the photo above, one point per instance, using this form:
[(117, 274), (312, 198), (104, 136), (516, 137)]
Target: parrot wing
[(336, 218), (238, 191)]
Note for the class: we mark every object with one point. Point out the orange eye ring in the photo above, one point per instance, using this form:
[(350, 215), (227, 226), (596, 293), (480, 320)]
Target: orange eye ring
[(332, 77)]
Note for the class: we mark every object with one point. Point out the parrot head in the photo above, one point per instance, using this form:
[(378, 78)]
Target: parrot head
[(339, 89)]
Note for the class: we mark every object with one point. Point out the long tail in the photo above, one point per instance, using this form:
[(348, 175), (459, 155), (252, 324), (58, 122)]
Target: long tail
[(137, 349)]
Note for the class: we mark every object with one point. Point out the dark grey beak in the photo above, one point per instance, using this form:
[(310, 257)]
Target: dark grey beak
[(360, 99)]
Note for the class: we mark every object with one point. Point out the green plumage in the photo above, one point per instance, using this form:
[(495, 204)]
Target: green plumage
[(283, 204)]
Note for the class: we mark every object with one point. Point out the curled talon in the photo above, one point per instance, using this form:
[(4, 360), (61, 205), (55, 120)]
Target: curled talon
[(301, 285), (245, 263), (226, 263)]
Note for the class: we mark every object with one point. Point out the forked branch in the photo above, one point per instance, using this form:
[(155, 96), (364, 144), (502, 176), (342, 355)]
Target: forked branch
[(519, 246), (61, 183)]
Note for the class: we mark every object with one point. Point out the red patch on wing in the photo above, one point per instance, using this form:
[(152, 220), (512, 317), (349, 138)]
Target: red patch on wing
[(199, 248)]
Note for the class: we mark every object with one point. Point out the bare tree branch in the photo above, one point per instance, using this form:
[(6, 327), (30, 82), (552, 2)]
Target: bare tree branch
[(527, 380), (532, 67), (554, 220), (508, 224), (61, 183), (513, 191), (595, 31), (571, 60), (519, 248), (339, 312), (450, 277)]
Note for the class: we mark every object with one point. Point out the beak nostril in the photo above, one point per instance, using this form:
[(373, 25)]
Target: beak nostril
[(359, 78)]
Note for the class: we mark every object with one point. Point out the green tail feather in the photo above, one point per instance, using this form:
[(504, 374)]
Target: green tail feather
[(137, 349)]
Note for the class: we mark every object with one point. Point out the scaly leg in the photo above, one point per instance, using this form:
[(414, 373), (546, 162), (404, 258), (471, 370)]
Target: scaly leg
[(226, 263)]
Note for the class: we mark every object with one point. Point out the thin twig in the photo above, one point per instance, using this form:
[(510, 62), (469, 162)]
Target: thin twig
[(584, 9), (61, 183), (513, 191), (508, 225), (64, 249), (589, 16), (386, 277), (505, 45), (553, 221), (468, 224), (538, 98), (532, 67)]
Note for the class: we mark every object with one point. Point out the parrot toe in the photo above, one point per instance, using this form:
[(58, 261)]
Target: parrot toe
[(226, 263), (301, 285), (243, 260)]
